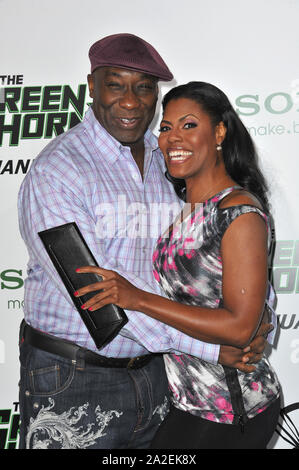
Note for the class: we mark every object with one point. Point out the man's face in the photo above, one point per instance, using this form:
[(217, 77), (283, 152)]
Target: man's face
[(124, 102)]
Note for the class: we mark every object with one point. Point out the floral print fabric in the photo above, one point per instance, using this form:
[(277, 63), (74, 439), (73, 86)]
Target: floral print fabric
[(187, 265)]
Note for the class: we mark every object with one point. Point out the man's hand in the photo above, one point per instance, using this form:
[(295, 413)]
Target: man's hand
[(242, 358)]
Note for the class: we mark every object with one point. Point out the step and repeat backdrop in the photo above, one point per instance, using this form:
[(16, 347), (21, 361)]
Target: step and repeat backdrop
[(248, 49)]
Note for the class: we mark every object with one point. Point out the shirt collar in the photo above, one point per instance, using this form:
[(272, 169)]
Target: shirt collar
[(104, 140)]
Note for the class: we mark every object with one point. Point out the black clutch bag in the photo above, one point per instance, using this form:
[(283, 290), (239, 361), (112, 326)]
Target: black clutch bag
[(68, 251)]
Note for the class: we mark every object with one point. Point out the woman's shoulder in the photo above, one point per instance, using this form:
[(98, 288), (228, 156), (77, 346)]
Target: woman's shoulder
[(240, 197)]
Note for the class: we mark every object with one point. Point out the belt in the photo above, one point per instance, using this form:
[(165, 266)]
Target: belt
[(72, 351)]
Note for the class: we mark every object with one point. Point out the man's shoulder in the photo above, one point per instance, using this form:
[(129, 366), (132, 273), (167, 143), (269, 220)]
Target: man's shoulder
[(61, 149), (67, 141)]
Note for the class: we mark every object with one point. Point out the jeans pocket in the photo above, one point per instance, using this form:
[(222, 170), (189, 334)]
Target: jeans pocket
[(46, 380), (46, 374), (51, 380)]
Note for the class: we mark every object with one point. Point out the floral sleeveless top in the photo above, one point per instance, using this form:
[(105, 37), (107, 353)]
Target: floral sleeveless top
[(188, 267)]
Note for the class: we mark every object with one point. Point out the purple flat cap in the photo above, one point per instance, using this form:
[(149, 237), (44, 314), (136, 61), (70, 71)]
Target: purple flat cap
[(129, 52)]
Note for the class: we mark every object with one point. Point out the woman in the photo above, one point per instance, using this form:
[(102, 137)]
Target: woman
[(212, 265)]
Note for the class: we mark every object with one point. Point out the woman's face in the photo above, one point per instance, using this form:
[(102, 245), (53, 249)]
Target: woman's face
[(188, 139)]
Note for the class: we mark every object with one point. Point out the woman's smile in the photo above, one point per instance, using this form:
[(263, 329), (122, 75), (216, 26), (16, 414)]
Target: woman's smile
[(178, 155)]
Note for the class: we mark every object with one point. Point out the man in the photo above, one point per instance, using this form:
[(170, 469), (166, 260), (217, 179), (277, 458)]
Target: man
[(71, 394)]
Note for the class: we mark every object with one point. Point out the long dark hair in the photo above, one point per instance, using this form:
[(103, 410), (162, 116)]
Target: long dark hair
[(238, 150)]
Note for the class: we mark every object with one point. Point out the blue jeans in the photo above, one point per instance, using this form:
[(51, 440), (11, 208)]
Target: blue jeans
[(68, 404)]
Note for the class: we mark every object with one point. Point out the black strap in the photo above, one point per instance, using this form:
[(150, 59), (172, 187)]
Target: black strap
[(233, 384)]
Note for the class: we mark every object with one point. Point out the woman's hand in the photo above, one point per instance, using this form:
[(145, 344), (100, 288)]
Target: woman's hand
[(114, 289)]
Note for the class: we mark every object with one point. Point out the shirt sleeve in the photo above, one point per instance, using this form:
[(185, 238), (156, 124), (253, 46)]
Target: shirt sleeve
[(47, 201), (142, 328), (54, 197)]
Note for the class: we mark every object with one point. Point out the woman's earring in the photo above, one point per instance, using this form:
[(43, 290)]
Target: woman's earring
[(219, 147)]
